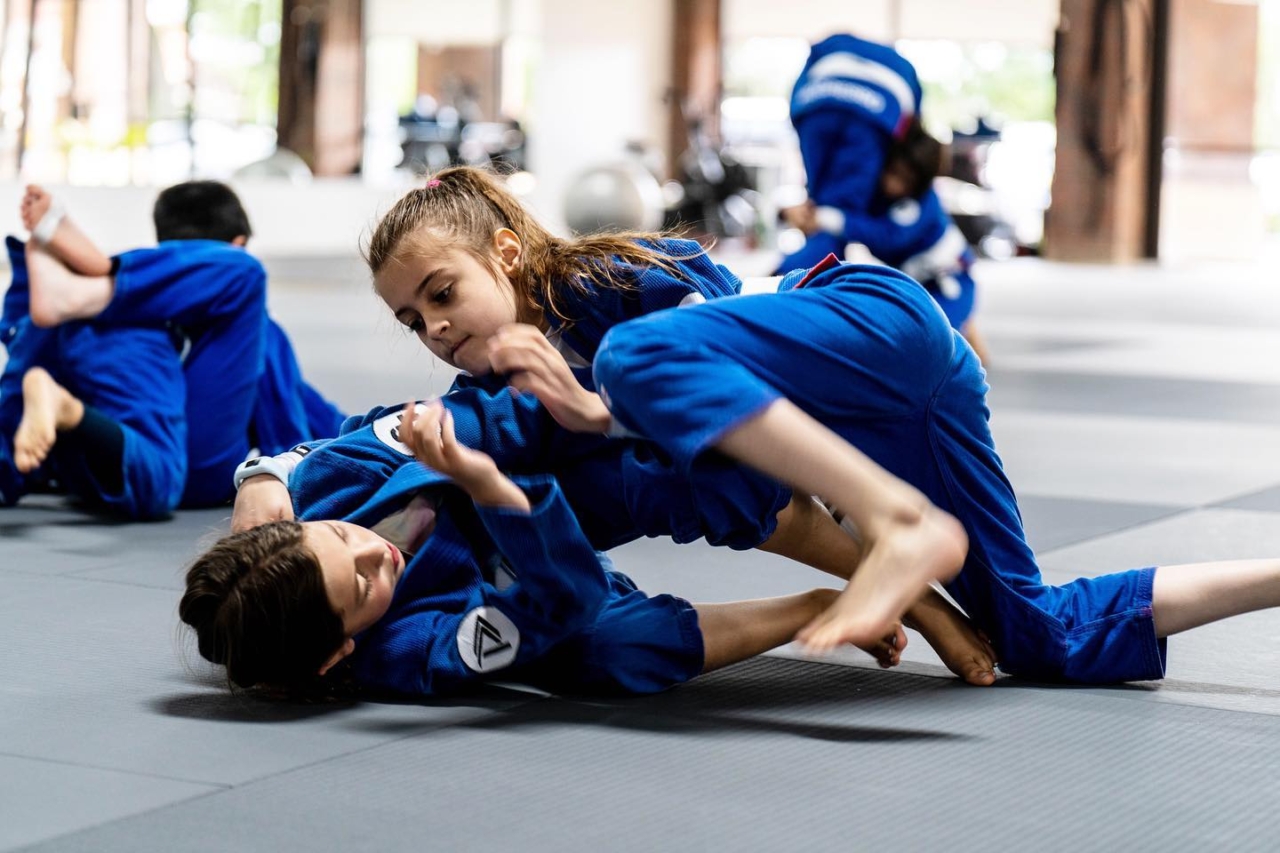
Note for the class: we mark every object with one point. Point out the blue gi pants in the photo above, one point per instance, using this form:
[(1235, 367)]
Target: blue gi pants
[(131, 375), (217, 294), (867, 352)]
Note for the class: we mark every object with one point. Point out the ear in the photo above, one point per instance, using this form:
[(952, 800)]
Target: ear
[(240, 241), (508, 247), (347, 648)]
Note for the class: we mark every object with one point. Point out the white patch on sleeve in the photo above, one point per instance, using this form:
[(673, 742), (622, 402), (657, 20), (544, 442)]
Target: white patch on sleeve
[(387, 429), (570, 354), (693, 297), (905, 212), (487, 640)]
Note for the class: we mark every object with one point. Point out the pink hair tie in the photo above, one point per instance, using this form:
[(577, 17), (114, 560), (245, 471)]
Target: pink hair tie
[(434, 182)]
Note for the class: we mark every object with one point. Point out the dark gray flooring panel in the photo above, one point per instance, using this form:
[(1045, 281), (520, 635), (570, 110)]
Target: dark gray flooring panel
[(1008, 345), (94, 675), (1051, 522), (1265, 500), (1229, 664), (1154, 461), (770, 755), (42, 799), (1140, 396)]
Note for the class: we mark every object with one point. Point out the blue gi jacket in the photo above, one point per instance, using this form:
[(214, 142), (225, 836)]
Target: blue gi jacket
[(851, 99)]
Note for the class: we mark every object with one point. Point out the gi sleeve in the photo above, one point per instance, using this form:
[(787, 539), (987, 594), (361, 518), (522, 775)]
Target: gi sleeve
[(341, 475), (193, 283), (552, 586)]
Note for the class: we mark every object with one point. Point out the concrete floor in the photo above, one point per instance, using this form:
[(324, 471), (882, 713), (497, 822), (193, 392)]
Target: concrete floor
[(1138, 414)]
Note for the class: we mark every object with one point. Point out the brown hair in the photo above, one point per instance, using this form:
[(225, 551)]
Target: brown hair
[(917, 154), (258, 604), (464, 207)]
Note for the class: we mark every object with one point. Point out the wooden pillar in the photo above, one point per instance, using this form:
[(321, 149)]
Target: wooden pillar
[(697, 74), (1211, 206), (1102, 184), (321, 108)]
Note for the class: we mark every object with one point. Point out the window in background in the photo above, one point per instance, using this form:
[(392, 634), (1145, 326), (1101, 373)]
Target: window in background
[(138, 91)]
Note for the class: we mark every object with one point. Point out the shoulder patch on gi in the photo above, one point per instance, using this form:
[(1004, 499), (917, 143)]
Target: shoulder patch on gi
[(905, 212), (487, 640), (387, 429)]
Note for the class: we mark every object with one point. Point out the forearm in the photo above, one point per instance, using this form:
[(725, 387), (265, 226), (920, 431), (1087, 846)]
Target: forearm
[(497, 492)]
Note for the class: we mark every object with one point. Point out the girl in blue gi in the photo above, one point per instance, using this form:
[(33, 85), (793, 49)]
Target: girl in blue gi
[(489, 290), (422, 589), (855, 356), (854, 103), (243, 388), (871, 167)]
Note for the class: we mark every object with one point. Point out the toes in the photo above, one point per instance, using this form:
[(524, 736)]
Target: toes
[(979, 675)]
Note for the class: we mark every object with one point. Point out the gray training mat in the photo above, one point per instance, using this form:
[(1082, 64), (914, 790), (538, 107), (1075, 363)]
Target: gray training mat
[(1131, 431)]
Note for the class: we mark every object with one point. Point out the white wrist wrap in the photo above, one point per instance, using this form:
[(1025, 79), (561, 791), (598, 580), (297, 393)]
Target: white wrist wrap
[(830, 219), (48, 224), (280, 467)]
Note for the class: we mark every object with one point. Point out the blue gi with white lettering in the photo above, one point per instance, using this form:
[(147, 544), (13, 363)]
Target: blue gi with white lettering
[(867, 353), (131, 374), (852, 98), (582, 626)]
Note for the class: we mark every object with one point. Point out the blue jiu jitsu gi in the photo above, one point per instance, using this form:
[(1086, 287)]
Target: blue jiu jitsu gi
[(216, 294), (918, 237), (852, 98), (131, 374), (865, 351), (244, 388), (580, 625), (594, 310)]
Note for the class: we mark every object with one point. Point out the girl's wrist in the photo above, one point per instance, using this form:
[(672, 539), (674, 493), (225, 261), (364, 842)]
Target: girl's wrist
[(593, 414), (499, 492)]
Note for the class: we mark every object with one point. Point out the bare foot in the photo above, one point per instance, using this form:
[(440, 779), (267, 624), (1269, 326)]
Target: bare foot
[(35, 204), (964, 649), (47, 407), (903, 560), (59, 294), (888, 650)]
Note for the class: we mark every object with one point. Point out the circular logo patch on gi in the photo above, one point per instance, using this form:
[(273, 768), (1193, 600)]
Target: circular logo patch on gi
[(905, 212), (387, 429), (487, 640)]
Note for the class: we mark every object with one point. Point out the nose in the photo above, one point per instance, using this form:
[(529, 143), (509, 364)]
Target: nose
[(371, 551), (436, 328)]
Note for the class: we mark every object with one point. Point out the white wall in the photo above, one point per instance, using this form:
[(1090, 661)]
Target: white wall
[(325, 217), (602, 71), (440, 22), (1023, 21)]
